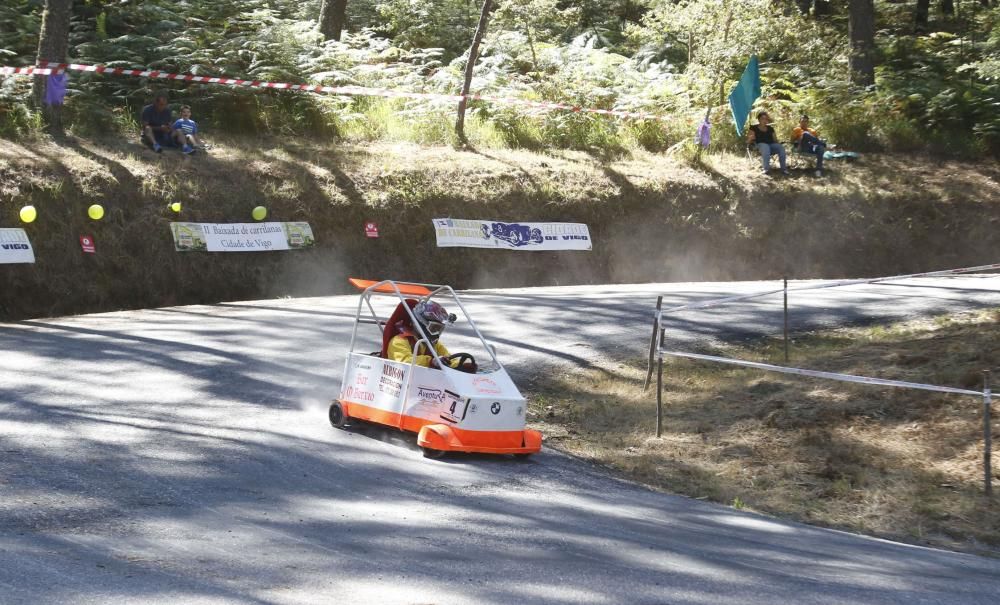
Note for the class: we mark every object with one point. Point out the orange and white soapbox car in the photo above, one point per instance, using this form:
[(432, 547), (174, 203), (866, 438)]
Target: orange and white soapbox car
[(475, 408)]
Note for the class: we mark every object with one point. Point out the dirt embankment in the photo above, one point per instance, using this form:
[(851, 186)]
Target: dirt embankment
[(652, 218)]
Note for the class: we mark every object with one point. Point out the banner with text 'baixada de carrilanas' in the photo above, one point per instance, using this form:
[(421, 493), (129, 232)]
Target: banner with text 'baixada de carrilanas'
[(241, 237), (511, 236)]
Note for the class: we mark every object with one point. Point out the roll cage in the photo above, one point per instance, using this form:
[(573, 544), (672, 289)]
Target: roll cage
[(403, 290)]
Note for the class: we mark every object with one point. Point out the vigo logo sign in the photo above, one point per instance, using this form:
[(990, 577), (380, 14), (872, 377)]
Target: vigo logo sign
[(15, 247)]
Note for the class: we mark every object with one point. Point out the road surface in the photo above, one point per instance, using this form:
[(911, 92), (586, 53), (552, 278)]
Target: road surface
[(183, 455)]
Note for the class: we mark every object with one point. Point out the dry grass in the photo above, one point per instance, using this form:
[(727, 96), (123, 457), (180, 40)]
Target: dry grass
[(894, 463)]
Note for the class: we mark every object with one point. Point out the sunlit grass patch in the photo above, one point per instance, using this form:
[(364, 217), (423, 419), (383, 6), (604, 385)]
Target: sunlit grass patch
[(889, 462)]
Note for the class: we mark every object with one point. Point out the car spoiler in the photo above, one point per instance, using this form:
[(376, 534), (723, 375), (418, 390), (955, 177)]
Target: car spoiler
[(386, 288)]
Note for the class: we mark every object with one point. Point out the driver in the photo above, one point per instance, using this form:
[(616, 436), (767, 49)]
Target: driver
[(433, 318)]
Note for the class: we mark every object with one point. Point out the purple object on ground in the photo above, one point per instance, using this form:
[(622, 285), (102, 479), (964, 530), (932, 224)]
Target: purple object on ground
[(55, 89)]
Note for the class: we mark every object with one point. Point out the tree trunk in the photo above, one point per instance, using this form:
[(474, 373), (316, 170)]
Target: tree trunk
[(53, 44), (921, 14), (332, 18), (725, 41), (948, 7), (484, 20), (531, 45), (861, 30)]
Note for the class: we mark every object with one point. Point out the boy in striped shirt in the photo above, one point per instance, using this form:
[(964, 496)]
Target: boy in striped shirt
[(186, 131)]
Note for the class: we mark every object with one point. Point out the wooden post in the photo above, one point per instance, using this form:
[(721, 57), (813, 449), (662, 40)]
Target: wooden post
[(652, 344)]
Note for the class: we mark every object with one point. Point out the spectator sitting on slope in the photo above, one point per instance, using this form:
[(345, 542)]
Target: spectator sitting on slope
[(808, 141), (156, 122), (186, 131), (763, 136)]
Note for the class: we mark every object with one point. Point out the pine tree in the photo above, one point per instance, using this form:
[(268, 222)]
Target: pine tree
[(332, 18), (861, 28)]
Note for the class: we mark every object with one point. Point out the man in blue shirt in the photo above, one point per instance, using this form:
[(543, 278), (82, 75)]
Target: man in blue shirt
[(186, 131), (156, 124)]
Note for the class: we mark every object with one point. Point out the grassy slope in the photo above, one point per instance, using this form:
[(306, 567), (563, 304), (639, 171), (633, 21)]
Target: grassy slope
[(653, 218), (894, 463)]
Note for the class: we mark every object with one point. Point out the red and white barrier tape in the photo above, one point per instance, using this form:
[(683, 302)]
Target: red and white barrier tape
[(836, 284), (830, 375), (27, 71), (46, 68)]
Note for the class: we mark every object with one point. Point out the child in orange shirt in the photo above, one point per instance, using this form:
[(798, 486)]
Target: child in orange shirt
[(807, 140)]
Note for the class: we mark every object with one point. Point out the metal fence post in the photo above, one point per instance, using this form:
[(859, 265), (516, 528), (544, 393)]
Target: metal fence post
[(652, 343), (786, 319), (659, 393), (987, 436)]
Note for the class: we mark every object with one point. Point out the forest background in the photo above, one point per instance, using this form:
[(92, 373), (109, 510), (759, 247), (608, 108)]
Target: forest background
[(894, 75)]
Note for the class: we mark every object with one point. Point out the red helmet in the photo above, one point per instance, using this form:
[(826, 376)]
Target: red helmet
[(432, 317)]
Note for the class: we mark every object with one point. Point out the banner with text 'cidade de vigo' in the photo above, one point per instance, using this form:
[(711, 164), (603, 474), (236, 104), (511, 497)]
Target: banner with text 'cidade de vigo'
[(15, 247), (241, 237), (511, 236)]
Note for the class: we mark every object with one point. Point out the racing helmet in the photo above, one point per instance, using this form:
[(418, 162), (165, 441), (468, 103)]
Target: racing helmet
[(432, 317)]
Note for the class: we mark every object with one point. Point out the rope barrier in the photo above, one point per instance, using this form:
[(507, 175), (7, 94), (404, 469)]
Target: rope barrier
[(819, 374), (48, 68), (837, 284)]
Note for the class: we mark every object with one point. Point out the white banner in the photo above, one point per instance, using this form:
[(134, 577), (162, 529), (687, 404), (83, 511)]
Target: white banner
[(511, 236), (241, 237), (15, 247)]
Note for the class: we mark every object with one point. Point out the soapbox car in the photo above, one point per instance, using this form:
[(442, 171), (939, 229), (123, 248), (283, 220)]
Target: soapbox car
[(472, 408)]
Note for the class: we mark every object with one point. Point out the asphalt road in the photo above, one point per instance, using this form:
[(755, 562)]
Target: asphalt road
[(183, 455)]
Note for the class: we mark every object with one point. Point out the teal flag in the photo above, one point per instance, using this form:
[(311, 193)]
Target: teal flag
[(746, 92)]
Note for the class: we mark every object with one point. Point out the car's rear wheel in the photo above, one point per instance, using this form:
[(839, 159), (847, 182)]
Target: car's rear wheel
[(337, 416), (433, 454)]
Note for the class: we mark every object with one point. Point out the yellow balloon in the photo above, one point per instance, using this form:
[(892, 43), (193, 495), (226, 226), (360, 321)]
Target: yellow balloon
[(259, 213), (96, 212), (176, 206), (28, 214)]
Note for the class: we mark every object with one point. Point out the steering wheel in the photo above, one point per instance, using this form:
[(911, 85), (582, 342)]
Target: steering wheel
[(466, 362)]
